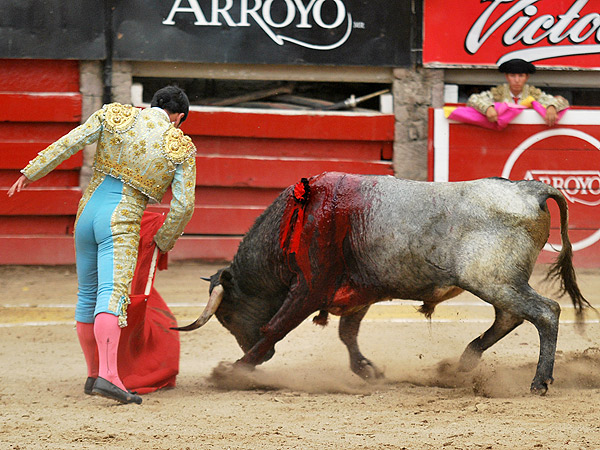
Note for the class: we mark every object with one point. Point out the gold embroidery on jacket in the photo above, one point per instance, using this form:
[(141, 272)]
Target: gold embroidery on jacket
[(119, 118), (177, 146)]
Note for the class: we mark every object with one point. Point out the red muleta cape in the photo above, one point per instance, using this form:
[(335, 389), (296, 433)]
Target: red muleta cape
[(148, 356)]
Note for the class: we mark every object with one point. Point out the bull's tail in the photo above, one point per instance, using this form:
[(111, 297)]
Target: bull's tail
[(562, 269)]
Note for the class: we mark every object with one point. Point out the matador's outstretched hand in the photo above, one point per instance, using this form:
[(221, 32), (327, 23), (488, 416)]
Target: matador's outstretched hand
[(21, 183)]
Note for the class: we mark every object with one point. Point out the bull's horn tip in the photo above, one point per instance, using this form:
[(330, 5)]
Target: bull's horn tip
[(205, 278)]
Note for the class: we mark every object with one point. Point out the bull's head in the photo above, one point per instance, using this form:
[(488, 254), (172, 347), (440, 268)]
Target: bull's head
[(242, 314)]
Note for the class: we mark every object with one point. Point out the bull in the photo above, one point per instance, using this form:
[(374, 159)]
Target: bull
[(337, 243)]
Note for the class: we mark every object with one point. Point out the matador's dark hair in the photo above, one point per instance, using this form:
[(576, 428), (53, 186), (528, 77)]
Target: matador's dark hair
[(171, 99)]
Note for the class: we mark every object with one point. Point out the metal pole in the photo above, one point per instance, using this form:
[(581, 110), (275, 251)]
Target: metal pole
[(107, 70)]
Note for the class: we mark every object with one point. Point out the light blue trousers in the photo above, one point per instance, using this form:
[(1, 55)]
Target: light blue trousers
[(107, 234)]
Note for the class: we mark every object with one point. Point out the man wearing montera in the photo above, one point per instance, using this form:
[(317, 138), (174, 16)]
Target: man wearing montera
[(516, 90)]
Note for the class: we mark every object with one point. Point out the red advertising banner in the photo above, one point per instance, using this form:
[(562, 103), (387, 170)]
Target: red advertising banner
[(566, 156), (550, 33)]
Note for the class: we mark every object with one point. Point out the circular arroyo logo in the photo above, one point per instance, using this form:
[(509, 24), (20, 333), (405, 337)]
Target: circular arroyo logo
[(566, 159)]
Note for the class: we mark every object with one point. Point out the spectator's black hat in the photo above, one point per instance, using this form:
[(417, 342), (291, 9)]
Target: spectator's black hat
[(517, 66)]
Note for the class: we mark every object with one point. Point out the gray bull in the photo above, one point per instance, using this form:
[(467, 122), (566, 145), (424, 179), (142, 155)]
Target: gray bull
[(337, 243)]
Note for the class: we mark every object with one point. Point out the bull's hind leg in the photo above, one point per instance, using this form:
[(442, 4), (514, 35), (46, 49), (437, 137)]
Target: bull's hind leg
[(348, 331), (524, 303), (503, 324)]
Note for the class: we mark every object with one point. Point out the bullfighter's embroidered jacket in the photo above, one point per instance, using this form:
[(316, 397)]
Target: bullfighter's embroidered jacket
[(501, 93), (141, 148)]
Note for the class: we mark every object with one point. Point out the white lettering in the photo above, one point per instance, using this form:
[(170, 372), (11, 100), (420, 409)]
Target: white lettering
[(595, 191), (193, 8), (558, 182), (216, 12), (341, 14), (574, 184), (512, 35), (526, 27), (291, 14), (304, 12), (253, 12), (583, 185), (587, 184), (572, 181), (261, 13), (591, 20), (546, 180), (475, 39), (564, 21), (528, 35)]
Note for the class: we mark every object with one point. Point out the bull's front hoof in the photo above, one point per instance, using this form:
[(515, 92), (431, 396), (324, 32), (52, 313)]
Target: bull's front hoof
[(241, 366), (468, 360), (237, 376), (539, 389), (367, 370)]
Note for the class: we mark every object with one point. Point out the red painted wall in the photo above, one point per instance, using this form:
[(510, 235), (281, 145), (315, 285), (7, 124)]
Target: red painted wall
[(40, 103)]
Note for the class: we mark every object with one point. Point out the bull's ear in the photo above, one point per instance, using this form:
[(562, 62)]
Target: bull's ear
[(226, 277)]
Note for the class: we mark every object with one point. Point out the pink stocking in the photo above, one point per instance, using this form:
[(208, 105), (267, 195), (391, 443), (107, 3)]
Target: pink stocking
[(87, 340), (107, 331)]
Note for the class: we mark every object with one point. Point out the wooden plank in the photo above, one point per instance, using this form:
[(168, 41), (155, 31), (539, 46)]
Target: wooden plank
[(34, 132), (296, 148), (387, 151), (461, 136), (34, 201), (62, 178), (218, 220), (206, 220), (276, 173), (39, 75), (16, 155), (232, 196), (19, 225), (40, 107), (209, 248), (58, 250), (37, 250), (328, 126)]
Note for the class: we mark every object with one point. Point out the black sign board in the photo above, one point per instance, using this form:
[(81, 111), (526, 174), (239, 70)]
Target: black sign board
[(336, 32), (316, 32), (52, 29)]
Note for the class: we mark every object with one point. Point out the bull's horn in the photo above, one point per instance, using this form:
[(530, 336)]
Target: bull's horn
[(205, 278), (213, 304)]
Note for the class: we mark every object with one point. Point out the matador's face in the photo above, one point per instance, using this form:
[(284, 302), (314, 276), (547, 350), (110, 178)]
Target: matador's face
[(516, 81)]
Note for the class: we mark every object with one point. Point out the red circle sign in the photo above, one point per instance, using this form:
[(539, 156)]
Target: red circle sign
[(567, 159)]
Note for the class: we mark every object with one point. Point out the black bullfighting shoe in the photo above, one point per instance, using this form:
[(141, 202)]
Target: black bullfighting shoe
[(106, 389), (89, 385)]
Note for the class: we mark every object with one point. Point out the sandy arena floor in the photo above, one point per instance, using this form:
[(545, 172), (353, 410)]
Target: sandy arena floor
[(308, 397)]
